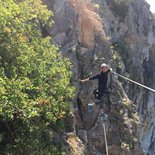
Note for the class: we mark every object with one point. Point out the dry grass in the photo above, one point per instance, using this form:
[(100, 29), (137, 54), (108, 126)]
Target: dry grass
[(89, 22), (75, 145)]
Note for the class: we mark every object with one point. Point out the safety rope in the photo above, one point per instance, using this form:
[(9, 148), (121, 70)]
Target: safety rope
[(153, 90), (105, 138)]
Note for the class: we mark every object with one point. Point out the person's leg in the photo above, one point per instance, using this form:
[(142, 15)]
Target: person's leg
[(108, 102), (101, 104)]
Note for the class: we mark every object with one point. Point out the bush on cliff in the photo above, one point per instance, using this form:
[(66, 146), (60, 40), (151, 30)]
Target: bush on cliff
[(34, 79)]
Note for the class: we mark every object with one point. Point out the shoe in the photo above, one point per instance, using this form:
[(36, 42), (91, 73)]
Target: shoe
[(103, 115)]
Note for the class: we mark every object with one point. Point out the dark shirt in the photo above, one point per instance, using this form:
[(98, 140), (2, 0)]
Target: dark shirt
[(102, 81)]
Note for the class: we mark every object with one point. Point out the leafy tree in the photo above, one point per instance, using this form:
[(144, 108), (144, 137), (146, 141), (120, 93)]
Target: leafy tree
[(34, 78)]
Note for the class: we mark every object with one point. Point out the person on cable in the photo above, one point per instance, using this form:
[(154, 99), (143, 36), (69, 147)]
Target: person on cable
[(104, 86)]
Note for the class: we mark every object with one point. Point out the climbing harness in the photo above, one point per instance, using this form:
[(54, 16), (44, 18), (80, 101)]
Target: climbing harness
[(97, 94), (105, 138), (148, 88)]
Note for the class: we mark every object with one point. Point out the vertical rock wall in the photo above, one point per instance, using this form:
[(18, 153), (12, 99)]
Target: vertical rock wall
[(136, 33), (121, 34)]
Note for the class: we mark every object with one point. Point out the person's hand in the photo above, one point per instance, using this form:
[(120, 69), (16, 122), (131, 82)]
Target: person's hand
[(84, 80), (110, 69), (81, 81)]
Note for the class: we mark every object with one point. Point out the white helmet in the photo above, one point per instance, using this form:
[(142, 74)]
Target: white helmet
[(104, 65)]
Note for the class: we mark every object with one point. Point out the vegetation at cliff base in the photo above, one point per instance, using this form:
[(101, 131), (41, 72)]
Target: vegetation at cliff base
[(34, 80)]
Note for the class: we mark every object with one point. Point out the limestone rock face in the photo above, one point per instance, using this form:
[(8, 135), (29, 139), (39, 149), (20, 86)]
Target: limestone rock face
[(121, 34)]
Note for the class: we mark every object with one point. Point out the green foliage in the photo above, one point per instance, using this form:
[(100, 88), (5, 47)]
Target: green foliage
[(121, 55), (96, 5), (125, 146), (34, 78), (119, 63)]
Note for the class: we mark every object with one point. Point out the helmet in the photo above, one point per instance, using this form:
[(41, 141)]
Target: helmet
[(104, 65)]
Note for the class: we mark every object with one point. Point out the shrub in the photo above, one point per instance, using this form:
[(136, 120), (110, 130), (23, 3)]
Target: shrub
[(34, 78)]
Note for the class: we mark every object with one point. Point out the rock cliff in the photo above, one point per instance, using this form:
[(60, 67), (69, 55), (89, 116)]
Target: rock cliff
[(120, 33)]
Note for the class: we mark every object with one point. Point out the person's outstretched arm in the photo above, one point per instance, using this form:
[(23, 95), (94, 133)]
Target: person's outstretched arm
[(90, 78), (84, 80)]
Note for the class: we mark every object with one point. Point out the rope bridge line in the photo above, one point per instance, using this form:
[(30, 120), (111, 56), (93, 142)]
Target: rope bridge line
[(137, 83), (105, 138)]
